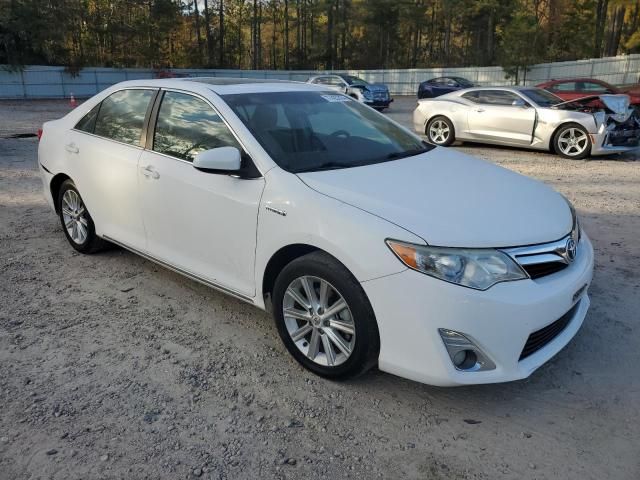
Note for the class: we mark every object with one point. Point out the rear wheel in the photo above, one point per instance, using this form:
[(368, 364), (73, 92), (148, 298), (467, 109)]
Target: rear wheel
[(440, 131), (572, 141), (324, 317), (76, 221)]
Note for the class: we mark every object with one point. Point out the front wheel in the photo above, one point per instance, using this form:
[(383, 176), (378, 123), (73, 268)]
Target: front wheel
[(572, 141), (324, 317), (440, 131)]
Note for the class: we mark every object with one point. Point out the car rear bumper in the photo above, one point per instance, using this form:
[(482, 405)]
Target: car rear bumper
[(46, 177), (411, 307)]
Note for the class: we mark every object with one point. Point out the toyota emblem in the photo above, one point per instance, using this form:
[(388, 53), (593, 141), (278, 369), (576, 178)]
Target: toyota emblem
[(571, 249)]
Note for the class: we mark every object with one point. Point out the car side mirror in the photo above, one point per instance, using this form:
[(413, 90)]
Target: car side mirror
[(519, 103), (218, 160)]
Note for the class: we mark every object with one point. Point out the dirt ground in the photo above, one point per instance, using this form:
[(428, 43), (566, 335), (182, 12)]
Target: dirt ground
[(113, 367)]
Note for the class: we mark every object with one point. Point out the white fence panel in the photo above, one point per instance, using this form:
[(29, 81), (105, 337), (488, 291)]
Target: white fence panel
[(55, 82)]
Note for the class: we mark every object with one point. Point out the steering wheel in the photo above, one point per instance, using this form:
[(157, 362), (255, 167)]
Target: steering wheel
[(340, 133)]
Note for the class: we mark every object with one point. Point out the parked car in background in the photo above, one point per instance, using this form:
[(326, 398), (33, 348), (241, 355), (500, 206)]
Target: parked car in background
[(441, 85), (574, 88), (375, 95), (532, 118), (304, 202)]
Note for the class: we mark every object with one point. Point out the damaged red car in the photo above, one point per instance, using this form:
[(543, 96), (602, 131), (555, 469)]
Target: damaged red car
[(575, 88)]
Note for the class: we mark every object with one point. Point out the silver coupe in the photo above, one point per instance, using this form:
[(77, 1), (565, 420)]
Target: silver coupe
[(532, 118)]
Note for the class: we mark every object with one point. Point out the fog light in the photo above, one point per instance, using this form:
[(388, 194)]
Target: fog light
[(465, 359), (465, 355)]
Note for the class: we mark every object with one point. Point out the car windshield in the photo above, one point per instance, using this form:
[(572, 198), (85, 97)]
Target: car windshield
[(309, 131), (351, 80), (463, 82), (541, 97)]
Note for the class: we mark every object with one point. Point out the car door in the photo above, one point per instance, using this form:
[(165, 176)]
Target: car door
[(203, 224), (338, 84), (449, 85), (496, 119), (103, 151), (440, 86)]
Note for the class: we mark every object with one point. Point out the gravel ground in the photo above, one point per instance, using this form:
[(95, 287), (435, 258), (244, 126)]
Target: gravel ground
[(113, 367)]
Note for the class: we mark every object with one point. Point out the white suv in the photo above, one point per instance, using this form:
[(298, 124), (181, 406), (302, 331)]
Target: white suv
[(369, 245)]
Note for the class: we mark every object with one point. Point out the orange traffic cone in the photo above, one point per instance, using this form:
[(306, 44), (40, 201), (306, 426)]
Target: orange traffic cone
[(72, 101)]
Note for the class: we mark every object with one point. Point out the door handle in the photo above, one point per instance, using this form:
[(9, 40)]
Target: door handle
[(71, 148), (479, 110), (148, 171)]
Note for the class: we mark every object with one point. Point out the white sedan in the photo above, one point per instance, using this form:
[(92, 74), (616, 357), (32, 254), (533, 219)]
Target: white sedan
[(369, 246)]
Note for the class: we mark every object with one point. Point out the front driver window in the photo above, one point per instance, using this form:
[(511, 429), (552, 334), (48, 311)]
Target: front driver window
[(187, 126)]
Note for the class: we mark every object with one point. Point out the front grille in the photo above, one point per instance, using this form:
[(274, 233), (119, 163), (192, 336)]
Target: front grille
[(544, 336), (537, 270), (624, 138), (545, 259)]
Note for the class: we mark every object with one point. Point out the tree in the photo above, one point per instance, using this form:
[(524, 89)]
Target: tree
[(311, 34), (522, 45)]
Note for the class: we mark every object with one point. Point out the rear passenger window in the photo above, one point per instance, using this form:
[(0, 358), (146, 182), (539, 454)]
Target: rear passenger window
[(121, 115), (564, 87), (88, 122), (471, 96), (187, 126), (496, 97)]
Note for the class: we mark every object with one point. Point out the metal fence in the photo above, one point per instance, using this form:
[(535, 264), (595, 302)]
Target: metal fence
[(54, 82)]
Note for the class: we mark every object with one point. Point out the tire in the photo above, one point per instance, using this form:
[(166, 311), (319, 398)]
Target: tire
[(81, 234), (572, 132), (443, 126), (363, 346)]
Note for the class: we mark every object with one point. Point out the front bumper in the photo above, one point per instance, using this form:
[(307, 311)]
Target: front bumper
[(603, 144), (410, 307), (378, 103)]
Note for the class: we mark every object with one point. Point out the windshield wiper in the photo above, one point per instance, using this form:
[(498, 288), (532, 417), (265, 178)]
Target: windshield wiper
[(325, 166), (407, 153)]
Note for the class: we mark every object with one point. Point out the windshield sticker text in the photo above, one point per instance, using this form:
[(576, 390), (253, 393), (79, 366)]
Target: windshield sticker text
[(336, 98)]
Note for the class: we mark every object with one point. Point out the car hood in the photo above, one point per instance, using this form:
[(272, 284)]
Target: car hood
[(617, 103), (451, 199)]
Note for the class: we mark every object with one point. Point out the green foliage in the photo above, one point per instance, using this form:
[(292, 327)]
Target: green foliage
[(356, 34)]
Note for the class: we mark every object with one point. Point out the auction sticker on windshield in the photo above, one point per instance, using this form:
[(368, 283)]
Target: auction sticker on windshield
[(336, 98)]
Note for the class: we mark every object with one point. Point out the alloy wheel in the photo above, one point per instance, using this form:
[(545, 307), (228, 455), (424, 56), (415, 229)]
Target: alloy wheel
[(439, 131), (74, 215), (573, 142), (319, 321)]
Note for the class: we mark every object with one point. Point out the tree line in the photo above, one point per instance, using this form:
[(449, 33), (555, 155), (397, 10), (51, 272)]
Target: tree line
[(313, 34)]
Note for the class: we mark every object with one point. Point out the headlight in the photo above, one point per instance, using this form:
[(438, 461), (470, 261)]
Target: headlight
[(474, 268), (575, 223), (366, 94)]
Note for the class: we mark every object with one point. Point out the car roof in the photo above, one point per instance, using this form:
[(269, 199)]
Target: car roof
[(224, 85), (515, 88), (567, 80)]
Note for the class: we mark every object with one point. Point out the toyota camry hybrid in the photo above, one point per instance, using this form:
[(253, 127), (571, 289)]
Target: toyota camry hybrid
[(370, 246)]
